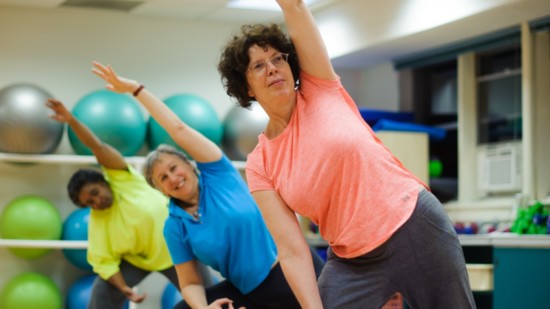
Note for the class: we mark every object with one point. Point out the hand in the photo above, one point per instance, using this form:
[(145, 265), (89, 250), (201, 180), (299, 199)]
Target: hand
[(132, 295), (62, 114), (115, 83), (218, 303)]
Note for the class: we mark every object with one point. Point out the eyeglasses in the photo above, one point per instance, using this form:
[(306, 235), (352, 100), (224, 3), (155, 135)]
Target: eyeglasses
[(259, 67)]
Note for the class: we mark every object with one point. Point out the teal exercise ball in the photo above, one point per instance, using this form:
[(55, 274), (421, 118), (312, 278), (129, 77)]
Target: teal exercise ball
[(195, 112), (75, 227), (30, 217), (31, 291), (24, 123), (115, 118)]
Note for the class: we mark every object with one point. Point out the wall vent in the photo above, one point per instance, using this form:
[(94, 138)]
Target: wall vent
[(499, 167)]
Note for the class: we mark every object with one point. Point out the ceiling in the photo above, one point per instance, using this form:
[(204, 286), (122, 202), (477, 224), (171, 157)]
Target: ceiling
[(189, 10), (358, 33)]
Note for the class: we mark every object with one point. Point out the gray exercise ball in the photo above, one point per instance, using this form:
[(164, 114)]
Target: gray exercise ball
[(24, 123), (241, 128)]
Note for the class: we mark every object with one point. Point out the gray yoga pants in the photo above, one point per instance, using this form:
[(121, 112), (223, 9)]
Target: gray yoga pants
[(106, 296), (423, 261)]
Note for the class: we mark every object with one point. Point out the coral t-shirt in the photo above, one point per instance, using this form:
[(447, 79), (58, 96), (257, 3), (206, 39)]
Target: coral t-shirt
[(329, 166)]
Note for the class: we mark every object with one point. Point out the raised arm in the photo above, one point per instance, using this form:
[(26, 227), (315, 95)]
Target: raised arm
[(304, 33), (105, 154), (193, 142), (294, 253)]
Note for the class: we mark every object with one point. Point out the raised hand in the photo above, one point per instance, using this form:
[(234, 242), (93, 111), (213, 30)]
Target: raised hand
[(114, 82), (62, 114)]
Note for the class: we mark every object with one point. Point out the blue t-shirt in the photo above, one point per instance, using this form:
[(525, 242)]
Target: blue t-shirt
[(230, 236)]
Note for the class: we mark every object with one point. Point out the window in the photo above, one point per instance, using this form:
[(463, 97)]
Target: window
[(499, 96)]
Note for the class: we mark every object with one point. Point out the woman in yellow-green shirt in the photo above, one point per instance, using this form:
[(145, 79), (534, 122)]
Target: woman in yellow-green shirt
[(125, 231)]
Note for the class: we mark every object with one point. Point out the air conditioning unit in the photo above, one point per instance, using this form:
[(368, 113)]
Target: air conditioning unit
[(499, 168)]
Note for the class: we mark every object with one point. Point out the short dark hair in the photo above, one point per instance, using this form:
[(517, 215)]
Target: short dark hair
[(234, 59), (81, 178)]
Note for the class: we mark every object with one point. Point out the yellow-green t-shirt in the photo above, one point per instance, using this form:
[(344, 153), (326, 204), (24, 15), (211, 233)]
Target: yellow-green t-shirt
[(131, 229)]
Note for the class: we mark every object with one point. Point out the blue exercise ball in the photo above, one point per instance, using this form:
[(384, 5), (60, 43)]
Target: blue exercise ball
[(75, 227), (24, 123), (170, 296), (195, 112), (78, 295), (30, 217), (115, 118)]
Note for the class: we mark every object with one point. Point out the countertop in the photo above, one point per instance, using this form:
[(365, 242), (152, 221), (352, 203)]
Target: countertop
[(506, 240)]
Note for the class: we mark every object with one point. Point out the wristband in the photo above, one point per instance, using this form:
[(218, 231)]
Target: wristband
[(138, 90)]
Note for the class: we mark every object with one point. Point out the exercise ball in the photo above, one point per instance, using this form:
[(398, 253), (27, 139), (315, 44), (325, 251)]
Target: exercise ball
[(24, 123), (78, 295), (30, 291), (170, 296), (195, 112), (30, 217), (241, 128), (115, 118), (435, 168), (75, 227)]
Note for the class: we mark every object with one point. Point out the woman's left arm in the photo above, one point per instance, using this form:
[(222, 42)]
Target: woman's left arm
[(306, 37), (293, 250)]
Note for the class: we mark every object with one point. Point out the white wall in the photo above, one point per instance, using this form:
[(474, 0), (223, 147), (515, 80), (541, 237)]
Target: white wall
[(376, 87), (54, 50)]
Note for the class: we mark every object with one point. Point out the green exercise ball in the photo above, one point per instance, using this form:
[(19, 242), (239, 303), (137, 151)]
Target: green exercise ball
[(436, 168), (31, 291), (30, 217)]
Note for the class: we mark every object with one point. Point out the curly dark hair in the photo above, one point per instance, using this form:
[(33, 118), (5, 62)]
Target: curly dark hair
[(81, 178), (234, 59)]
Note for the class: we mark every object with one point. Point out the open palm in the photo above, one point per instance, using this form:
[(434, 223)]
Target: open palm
[(114, 82)]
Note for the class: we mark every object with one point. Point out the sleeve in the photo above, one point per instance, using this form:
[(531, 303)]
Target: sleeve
[(122, 175), (222, 167), (255, 173), (105, 264), (313, 85), (177, 243)]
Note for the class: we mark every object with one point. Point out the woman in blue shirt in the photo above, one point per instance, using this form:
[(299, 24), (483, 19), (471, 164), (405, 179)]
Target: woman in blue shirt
[(212, 216)]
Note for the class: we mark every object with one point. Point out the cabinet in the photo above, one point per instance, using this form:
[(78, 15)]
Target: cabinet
[(520, 269), (521, 277), (47, 176), (411, 148)]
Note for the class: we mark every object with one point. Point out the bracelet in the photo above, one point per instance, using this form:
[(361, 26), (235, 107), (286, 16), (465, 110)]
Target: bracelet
[(138, 90)]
